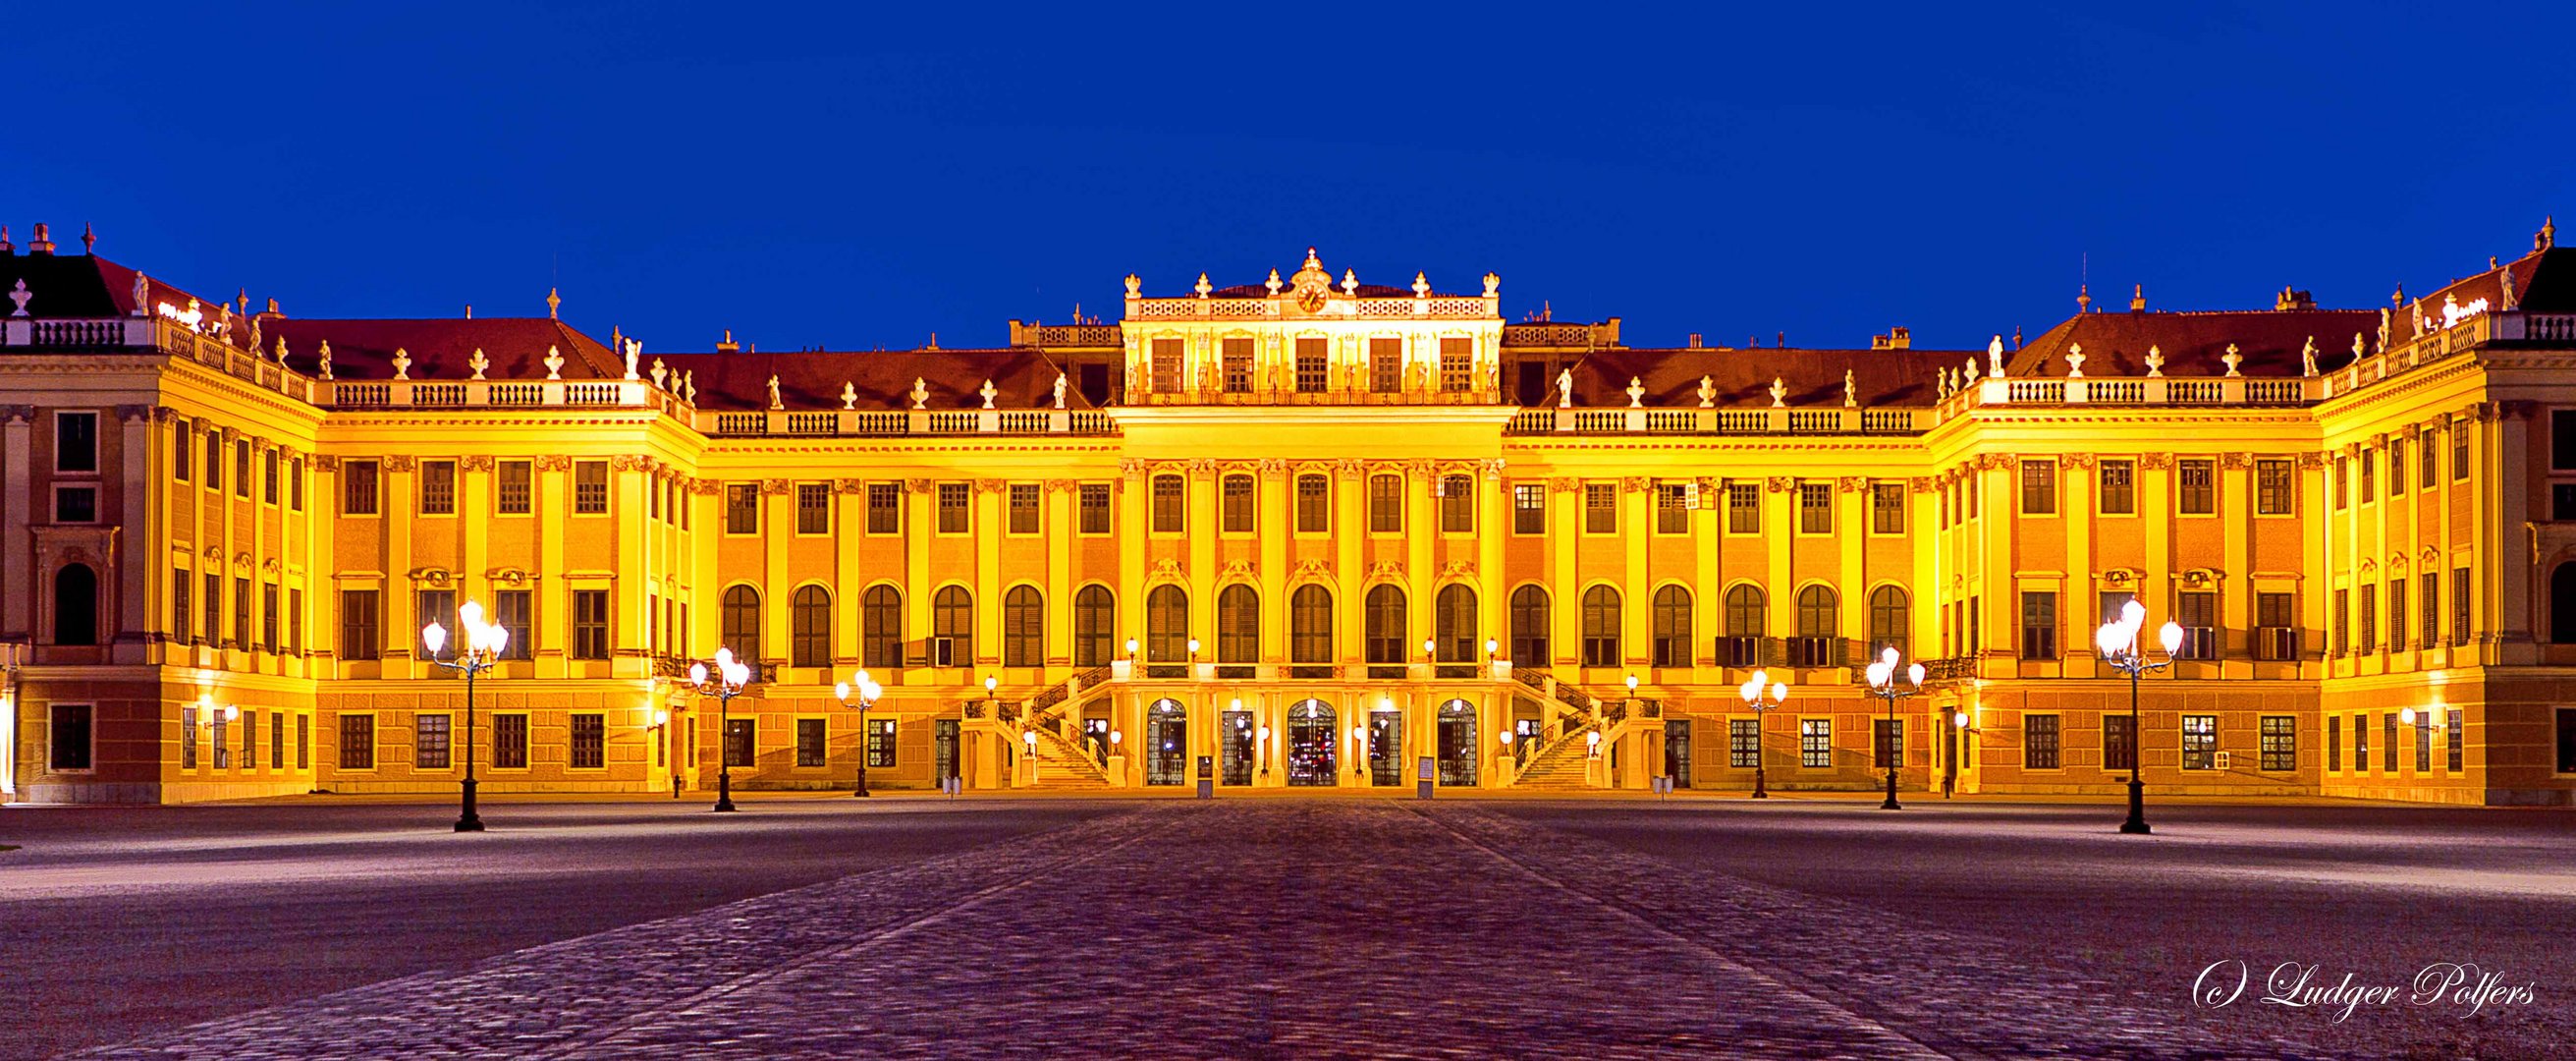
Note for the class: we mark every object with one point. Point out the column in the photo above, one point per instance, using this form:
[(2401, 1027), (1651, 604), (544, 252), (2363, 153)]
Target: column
[(1637, 580), (552, 592), (920, 507), (632, 481), (1564, 578), (398, 507), (987, 524), (1058, 496)]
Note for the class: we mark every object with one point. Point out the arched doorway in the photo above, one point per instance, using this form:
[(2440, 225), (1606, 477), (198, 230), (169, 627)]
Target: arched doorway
[(76, 606), (1458, 743), (1311, 743), (2562, 604), (1386, 744), (1167, 743)]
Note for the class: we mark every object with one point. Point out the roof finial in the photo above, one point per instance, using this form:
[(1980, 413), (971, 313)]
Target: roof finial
[(89, 239), (5, 247), (554, 302), (2138, 299), (2083, 298), (2547, 237)]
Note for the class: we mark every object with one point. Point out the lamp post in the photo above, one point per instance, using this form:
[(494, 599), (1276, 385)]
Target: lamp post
[(2119, 644), (484, 643), (868, 690), (729, 677), (1882, 684), (1752, 691)]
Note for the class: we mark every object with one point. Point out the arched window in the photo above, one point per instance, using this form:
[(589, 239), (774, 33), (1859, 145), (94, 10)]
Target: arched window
[(1672, 619), (1745, 608), (741, 608), (1819, 612), (1310, 625), (1382, 625), (2562, 603), (810, 616), (1601, 627), (1095, 627), (1238, 624), (1023, 627), (1453, 623), (1888, 606), (952, 619), (1529, 626), (1167, 625), (881, 627), (75, 605)]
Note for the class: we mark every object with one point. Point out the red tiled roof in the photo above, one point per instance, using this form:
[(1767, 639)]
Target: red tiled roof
[(2195, 343), (440, 348), (1743, 377), (88, 286), (812, 379)]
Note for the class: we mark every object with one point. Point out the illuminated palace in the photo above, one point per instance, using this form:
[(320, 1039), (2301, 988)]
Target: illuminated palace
[(1307, 531)]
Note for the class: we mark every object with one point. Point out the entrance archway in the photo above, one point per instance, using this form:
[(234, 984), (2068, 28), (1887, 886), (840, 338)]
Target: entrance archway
[(1167, 743), (1235, 745), (1386, 746), (1458, 743), (1311, 743)]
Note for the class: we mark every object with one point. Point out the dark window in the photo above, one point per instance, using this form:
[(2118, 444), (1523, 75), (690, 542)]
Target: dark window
[(76, 606), (1887, 742), (1743, 508), (1314, 504), (277, 740), (809, 614), (1457, 504), (68, 737), (1386, 365), (2397, 614), (2334, 743), (1314, 360), (1234, 511), (268, 616), (2119, 489), (1457, 365), (510, 742), (514, 610), (1023, 507), (1167, 504), (183, 456), (214, 610), (952, 619), (2423, 742), (2428, 463), (810, 735), (241, 613), (359, 619), (2199, 742), (2039, 742), (295, 620), (881, 627), (1453, 624), (2459, 450), (1887, 508), (1167, 366), (742, 508), (429, 742), (1819, 624), (881, 744), (1094, 505), (515, 480), (1238, 624), (357, 488), (1529, 508), (1095, 627), (1891, 620), (2342, 482), (1382, 626), (1023, 627), (2396, 467), (742, 741), (1529, 622), (1815, 508), (2275, 488), (885, 508), (2388, 742), (1747, 611), (2038, 487), (2119, 742), (2342, 618), (590, 624), (1743, 743), (2361, 742), (741, 622), (214, 453), (1237, 356), (357, 742), (2369, 475), (813, 508), (268, 476), (2431, 606), (1601, 627), (438, 488), (2038, 625), (1671, 616), (2562, 439), (589, 742), (2195, 483), (439, 605), (1600, 508), (2370, 618), (2459, 606), (2451, 749), (1815, 742), (1386, 504), (75, 442), (1672, 508), (75, 504), (590, 487), (1167, 625), (241, 467), (180, 583), (1310, 625), (2197, 612), (2280, 749), (953, 518)]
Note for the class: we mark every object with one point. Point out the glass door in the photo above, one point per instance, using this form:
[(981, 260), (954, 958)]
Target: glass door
[(1311, 743), (1386, 748), (1167, 734), (1677, 751), (1458, 743), (943, 748), (1234, 747)]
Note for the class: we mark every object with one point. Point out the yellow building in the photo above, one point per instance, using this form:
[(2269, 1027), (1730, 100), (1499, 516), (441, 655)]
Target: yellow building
[(1303, 532)]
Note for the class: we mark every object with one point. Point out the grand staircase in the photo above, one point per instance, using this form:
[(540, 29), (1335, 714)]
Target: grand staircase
[(1060, 760), (1564, 765)]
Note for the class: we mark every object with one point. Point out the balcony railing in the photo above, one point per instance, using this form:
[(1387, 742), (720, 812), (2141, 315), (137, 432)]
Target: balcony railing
[(850, 423), (1780, 421)]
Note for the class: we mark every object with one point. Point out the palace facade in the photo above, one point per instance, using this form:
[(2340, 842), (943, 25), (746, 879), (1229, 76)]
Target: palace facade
[(1309, 531)]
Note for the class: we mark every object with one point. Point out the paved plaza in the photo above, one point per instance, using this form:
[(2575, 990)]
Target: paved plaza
[(1268, 927)]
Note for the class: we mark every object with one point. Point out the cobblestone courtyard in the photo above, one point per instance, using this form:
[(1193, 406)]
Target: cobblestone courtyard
[(1280, 928)]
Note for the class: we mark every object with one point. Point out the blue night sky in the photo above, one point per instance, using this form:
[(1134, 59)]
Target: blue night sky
[(839, 175)]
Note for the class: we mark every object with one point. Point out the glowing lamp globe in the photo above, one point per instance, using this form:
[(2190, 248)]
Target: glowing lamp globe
[(1914, 674), (840, 690), (697, 674), (435, 636), (1888, 657), (471, 613), (2171, 635), (2133, 614), (1779, 690)]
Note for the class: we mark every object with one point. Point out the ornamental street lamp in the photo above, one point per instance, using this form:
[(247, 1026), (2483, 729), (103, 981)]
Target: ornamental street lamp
[(729, 678), (1882, 683), (869, 691), (1752, 691), (2119, 644), (484, 643)]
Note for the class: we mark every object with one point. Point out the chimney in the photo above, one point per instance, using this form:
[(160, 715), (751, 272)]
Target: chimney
[(728, 346), (2290, 299), (1694, 341), (5, 246), (2138, 299), (40, 244), (1897, 338)]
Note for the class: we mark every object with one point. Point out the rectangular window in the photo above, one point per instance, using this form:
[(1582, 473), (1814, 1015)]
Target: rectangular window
[(438, 488), (2424, 741), (589, 742), (357, 742), (277, 740), (2361, 742), (268, 617), (810, 741), (1816, 742), (75, 442), (1385, 504), (1529, 508), (241, 467), (2396, 467), (2119, 489), (2459, 451), (1887, 508), (589, 624), (1094, 505), (1167, 366), (180, 582), (742, 508), (2451, 747), (813, 508), (1457, 504), (2388, 742), (514, 480), (357, 488), (1457, 365), (2342, 482), (1237, 355), (511, 611), (1167, 499), (68, 737), (1600, 508), (1234, 504), (304, 742), (1743, 508), (359, 620), (2118, 743), (2430, 584), (1743, 743), (2199, 742), (2038, 488), (2342, 619), (1672, 508), (268, 475), (429, 742), (885, 508), (183, 455), (2115, 601), (2195, 486), (2369, 476), (2459, 606), (241, 613), (2039, 742), (2562, 439), (590, 488), (1314, 362), (2039, 625), (2370, 618), (214, 608), (741, 739), (1887, 742), (2428, 463), (75, 504), (880, 744), (221, 734), (2334, 743), (438, 605), (295, 620), (2397, 614), (953, 514), (1023, 508), (1386, 365), (214, 453), (510, 742), (2197, 611), (2275, 488), (2280, 742), (295, 484), (1815, 508)]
